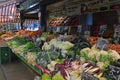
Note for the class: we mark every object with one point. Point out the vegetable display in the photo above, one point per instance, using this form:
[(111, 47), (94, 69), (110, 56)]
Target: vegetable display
[(57, 59)]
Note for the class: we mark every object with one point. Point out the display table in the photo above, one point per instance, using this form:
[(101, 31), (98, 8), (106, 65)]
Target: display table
[(5, 52), (35, 69)]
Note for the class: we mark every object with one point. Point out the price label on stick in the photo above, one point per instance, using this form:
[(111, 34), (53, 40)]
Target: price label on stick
[(102, 44)]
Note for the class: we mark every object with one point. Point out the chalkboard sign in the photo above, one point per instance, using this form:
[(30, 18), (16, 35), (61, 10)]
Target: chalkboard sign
[(102, 44), (87, 76)]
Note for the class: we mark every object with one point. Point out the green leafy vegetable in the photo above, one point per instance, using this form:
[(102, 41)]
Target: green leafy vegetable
[(57, 77), (45, 77)]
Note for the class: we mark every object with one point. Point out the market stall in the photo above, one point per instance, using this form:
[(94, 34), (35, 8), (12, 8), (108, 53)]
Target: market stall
[(68, 50)]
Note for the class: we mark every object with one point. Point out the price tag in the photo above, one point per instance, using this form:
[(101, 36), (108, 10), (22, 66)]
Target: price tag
[(117, 31), (86, 34), (87, 76), (102, 44), (103, 29), (79, 28)]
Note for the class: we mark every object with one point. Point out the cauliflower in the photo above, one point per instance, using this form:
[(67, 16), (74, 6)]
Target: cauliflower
[(52, 65), (93, 47), (46, 46), (53, 42), (92, 53), (86, 50), (103, 52), (65, 45), (100, 64), (114, 54)]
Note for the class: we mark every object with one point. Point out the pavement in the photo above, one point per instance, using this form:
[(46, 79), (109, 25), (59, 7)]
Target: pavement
[(16, 71)]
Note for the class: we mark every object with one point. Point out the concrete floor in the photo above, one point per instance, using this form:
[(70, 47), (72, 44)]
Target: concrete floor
[(17, 71)]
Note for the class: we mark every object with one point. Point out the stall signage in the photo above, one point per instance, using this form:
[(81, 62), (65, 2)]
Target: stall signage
[(99, 5), (102, 44), (73, 10)]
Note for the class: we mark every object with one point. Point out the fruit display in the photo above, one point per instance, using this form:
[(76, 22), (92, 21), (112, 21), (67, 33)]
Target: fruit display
[(92, 40), (22, 33), (66, 21), (2, 32), (115, 47), (7, 35), (35, 33)]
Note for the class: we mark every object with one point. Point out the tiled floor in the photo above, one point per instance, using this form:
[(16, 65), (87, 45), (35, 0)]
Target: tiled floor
[(17, 71)]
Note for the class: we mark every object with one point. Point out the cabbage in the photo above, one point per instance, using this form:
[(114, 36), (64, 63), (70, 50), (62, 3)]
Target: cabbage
[(46, 77), (46, 46), (40, 38), (57, 77)]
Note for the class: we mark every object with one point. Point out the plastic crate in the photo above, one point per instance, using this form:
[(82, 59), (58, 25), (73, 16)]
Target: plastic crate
[(5, 55)]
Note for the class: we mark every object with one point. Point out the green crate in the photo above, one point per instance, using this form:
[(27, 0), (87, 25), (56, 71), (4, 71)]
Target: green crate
[(5, 55)]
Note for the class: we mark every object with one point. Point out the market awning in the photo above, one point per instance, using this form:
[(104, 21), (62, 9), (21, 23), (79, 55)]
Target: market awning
[(8, 12)]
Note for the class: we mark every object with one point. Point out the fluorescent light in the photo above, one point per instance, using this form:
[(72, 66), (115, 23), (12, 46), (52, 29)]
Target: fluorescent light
[(11, 17), (32, 12)]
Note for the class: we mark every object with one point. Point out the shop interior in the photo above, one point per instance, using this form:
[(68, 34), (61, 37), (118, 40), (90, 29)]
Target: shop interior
[(60, 40)]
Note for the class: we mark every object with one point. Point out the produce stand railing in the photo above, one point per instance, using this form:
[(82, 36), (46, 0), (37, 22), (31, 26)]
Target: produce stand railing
[(35, 69)]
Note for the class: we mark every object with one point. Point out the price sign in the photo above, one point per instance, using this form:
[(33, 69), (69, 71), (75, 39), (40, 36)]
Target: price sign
[(79, 28), (102, 44), (117, 31), (87, 33), (87, 76), (103, 29)]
